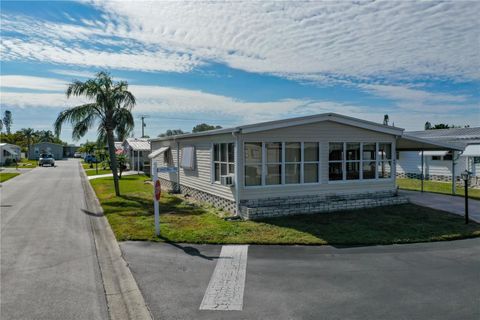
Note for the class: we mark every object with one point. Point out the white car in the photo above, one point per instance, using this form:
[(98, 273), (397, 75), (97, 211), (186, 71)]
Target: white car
[(46, 158), (77, 155)]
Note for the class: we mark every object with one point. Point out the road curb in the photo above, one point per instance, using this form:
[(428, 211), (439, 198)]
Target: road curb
[(124, 299)]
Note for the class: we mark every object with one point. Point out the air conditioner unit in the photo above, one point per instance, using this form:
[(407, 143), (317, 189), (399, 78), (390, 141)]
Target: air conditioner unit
[(227, 180)]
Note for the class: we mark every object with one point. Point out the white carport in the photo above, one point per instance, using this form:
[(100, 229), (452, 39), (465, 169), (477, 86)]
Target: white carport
[(429, 147), (137, 150)]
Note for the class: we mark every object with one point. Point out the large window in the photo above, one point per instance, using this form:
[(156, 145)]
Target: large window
[(223, 160), (311, 162), (355, 160), (385, 160), (335, 161), (253, 163), (369, 160), (293, 162), (274, 163)]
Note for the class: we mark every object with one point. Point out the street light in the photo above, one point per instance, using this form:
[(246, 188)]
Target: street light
[(465, 177)]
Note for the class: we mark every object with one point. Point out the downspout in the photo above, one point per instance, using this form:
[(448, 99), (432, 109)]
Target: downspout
[(178, 166), (236, 135)]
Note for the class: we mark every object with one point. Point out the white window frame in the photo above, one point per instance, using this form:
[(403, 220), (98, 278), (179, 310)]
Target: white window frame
[(188, 163), (377, 162), (264, 164), (280, 163), (302, 170), (219, 161), (342, 161), (359, 161), (261, 163)]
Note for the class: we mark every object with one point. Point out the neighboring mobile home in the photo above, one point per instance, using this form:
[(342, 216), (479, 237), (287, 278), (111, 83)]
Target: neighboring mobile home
[(46, 147), (9, 151), (438, 164), (326, 162), (137, 150)]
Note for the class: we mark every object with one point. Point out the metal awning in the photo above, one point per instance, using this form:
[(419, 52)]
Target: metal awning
[(435, 153), (158, 152), (10, 150), (410, 143), (472, 150)]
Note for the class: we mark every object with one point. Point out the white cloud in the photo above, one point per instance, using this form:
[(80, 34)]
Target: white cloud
[(309, 40), (32, 83), (408, 94), (169, 101)]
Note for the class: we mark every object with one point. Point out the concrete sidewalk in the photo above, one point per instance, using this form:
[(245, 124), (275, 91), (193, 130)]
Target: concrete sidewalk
[(128, 173), (444, 202)]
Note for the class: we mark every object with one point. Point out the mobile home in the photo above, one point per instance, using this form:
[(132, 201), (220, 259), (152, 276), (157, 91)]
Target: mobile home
[(441, 165), (9, 151), (319, 163)]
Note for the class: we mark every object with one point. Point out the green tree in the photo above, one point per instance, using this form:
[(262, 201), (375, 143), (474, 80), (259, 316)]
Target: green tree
[(122, 161), (204, 127), (46, 136), (29, 134), (7, 120), (171, 132), (111, 108), (428, 125)]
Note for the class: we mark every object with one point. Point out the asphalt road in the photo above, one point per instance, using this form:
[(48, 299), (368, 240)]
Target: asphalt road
[(49, 267), (417, 281)]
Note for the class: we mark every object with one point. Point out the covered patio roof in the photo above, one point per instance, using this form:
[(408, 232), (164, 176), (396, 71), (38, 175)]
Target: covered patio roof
[(411, 143)]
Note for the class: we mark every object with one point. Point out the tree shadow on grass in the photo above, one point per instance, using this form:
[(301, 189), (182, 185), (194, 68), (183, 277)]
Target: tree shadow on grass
[(379, 226)]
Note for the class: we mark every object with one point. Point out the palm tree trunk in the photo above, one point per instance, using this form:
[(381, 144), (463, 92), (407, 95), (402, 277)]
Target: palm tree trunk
[(113, 160)]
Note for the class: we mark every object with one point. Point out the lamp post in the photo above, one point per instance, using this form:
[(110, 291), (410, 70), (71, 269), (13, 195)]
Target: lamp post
[(466, 176)]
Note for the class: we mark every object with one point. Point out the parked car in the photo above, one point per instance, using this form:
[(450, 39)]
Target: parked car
[(90, 159), (46, 159), (77, 155)]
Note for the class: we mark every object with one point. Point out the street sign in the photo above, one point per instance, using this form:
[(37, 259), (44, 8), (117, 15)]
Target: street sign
[(167, 169), (158, 190)]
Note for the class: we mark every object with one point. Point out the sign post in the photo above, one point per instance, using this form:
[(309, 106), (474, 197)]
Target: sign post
[(156, 197)]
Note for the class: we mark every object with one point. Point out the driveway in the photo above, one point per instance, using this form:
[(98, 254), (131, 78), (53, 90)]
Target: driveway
[(49, 267), (416, 281), (445, 202)]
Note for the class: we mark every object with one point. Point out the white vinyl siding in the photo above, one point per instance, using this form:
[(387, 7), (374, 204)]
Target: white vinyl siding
[(201, 177)]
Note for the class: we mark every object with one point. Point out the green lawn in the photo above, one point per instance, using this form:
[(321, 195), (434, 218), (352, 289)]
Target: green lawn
[(4, 176), (24, 163), (131, 218), (437, 187)]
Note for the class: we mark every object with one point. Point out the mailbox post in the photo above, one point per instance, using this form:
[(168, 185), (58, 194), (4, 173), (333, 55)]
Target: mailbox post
[(156, 197), (466, 176)]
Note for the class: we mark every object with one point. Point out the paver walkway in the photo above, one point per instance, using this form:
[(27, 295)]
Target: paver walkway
[(444, 202)]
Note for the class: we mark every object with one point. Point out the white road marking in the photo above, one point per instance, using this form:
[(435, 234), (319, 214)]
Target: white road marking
[(225, 290)]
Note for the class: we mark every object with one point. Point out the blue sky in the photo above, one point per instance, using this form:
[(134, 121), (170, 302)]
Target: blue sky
[(231, 63)]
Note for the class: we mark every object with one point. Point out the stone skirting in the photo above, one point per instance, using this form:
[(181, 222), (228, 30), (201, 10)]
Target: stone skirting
[(216, 201), (276, 207)]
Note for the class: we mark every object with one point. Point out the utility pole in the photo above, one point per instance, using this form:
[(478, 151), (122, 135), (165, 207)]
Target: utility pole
[(143, 117)]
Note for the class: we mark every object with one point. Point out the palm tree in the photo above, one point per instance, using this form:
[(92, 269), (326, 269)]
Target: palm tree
[(46, 136), (28, 133), (111, 109)]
